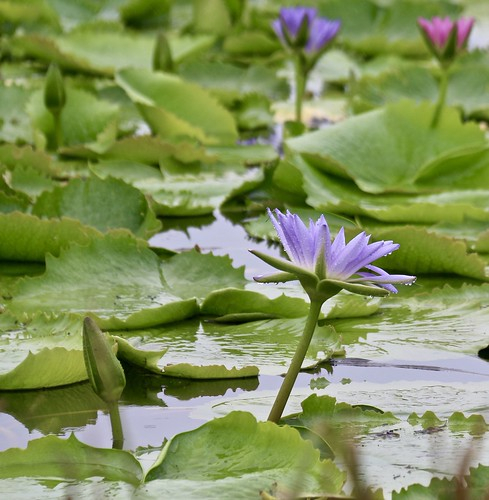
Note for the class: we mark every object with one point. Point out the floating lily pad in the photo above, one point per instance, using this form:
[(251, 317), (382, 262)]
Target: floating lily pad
[(331, 194), (466, 88), (43, 342), (84, 49), (115, 279), (28, 238), (184, 190), (268, 345), (394, 148), (174, 108), (15, 124), (239, 457), (103, 204), (69, 458)]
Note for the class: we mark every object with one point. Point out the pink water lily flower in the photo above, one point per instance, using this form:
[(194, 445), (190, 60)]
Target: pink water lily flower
[(446, 38), (335, 263)]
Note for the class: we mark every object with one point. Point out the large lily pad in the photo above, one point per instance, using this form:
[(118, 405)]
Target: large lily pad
[(187, 189), (331, 194), (174, 107), (240, 457), (103, 204), (115, 279), (84, 49), (392, 149), (51, 457)]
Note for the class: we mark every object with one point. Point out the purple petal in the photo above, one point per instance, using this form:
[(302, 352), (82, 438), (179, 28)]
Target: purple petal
[(292, 18), (322, 31)]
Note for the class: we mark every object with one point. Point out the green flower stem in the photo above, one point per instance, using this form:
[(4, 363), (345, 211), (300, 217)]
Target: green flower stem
[(300, 85), (58, 131), (116, 424), (442, 94), (296, 363)]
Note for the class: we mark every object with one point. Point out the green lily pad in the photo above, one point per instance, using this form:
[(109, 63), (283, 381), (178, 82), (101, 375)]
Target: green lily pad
[(103, 204), (54, 458), (186, 189), (115, 279), (173, 107), (84, 49), (53, 342), (28, 238), (267, 344), (322, 413), (392, 149), (239, 457), (466, 88), (331, 194), (15, 124), (30, 180)]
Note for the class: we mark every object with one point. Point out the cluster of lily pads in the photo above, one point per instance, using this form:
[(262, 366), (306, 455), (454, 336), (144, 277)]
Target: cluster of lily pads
[(119, 116)]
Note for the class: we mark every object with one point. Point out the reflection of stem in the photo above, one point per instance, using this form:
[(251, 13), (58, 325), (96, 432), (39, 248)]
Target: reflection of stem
[(300, 85), (442, 94), (296, 363), (116, 424)]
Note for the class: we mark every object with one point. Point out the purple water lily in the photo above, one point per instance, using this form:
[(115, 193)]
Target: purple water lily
[(312, 252), (439, 33), (301, 27)]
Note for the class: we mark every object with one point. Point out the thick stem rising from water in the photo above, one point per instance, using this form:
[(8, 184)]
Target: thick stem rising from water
[(115, 422), (296, 363), (442, 94), (300, 85)]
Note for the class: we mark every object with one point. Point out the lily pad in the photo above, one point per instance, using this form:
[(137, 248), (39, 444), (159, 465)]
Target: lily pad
[(331, 194), (54, 458), (185, 190), (174, 108), (115, 279), (392, 149), (103, 204), (239, 457)]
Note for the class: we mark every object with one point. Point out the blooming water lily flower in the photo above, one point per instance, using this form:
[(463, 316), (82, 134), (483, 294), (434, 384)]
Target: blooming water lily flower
[(444, 37), (307, 36), (300, 27), (324, 267)]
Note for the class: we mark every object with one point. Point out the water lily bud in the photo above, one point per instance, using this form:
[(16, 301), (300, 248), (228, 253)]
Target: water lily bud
[(162, 57), (103, 368), (54, 90)]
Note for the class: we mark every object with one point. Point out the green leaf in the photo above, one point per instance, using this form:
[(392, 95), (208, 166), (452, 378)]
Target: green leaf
[(239, 457), (397, 147), (51, 457), (173, 107), (208, 372), (466, 88), (103, 204), (322, 413), (14, 122), (266, 344), (193, 274), (53, 342), (427, 420), (84, 50), (422, 252), (28, 238), (115, 279), (186, 189), (331, 194)]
